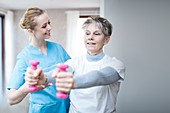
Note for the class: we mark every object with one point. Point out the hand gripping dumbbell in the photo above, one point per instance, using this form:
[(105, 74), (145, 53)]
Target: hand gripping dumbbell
[(34, 64), (62, 68)]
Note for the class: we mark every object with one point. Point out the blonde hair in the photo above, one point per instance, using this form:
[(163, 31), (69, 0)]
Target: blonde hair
[(27, 21)]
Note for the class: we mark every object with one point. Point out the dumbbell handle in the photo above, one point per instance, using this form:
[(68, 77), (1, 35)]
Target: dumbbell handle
[(62, 68), (34, 64)]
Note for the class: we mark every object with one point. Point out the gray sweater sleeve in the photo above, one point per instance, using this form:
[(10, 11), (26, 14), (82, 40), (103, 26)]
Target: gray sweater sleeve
[(49, 78), (105, 76)]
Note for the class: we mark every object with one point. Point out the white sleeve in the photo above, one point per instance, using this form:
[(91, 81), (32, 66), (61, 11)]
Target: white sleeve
[(119, 67)]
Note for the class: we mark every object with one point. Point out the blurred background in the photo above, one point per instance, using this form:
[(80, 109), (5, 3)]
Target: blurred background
[(140, 39)]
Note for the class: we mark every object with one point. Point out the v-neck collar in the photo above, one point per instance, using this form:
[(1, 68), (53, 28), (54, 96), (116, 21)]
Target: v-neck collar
[(37, 50)]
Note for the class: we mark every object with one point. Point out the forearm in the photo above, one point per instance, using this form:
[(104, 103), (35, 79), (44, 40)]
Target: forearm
[(105, 76), (16, 96)]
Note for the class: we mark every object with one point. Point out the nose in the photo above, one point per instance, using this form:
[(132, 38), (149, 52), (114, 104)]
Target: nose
[(49, 27), (90, 37)]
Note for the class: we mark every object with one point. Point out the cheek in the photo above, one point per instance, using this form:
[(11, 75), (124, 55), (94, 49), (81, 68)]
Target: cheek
[(85, 40), (101, 42), (39, 32)]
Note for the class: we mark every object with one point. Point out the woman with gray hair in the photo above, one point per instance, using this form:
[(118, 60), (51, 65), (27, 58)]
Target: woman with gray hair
[(96, 77)]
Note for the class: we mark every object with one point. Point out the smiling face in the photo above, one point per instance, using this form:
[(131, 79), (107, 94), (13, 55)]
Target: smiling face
[(43, 27), (94, 39)]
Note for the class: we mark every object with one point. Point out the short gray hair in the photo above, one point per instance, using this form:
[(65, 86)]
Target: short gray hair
[(102, 23)]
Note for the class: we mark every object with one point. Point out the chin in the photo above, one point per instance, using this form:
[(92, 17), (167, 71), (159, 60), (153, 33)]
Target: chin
[(92, 52), (48, 37)]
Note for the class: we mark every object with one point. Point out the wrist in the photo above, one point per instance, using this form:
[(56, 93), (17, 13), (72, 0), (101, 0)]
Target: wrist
[(45, 80), (24, 89), (74, 83)]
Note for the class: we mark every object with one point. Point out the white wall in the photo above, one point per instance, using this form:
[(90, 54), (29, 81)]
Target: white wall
[(141, 39)]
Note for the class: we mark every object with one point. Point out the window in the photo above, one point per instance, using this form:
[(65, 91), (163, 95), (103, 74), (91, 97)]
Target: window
[(81, 47), (75, 42)]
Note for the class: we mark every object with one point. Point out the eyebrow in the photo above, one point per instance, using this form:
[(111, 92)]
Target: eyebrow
[(45, 23)]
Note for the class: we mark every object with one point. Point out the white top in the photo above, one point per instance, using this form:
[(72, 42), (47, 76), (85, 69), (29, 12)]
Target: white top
[(98, 99)]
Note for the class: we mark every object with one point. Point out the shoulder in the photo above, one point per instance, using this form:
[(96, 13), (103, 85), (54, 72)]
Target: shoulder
[(77, 61), (59, 49), (54, 45), (24, 52), (50, 43), (21, 60), (114, 61), (117, 65)]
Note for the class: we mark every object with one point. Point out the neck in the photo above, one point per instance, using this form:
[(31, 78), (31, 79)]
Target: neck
[(40, 45)]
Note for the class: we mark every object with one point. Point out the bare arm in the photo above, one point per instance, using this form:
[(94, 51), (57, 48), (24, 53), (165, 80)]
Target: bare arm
[(32, 77), (17, 95)]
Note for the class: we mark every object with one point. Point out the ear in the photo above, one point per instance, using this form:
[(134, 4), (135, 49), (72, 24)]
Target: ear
[(30, 31), (107, 39)]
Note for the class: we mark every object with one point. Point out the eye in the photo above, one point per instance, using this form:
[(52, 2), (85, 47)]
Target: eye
[(87, 33), (49, 23), (44, 26), (97, 33)]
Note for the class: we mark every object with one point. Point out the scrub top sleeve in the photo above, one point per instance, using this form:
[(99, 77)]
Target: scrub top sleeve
[(66, 55), (17, 77)]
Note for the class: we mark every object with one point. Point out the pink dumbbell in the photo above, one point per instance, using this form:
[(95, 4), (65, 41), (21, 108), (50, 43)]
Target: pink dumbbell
[(34, 64), (62, 68)]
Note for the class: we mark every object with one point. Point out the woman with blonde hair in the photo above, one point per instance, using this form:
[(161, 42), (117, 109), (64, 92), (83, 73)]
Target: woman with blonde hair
[(37, 23)]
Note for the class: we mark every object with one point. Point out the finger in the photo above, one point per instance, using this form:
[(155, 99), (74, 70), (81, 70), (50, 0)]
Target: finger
[(40, 87), (42, 78), (29, 73), (67, 84), (49, 84), (29, 70), (55, 72), (46, 85), (66, 90), (37, 73), (30, 77), (64, 75), (31, 83), (65, 80)]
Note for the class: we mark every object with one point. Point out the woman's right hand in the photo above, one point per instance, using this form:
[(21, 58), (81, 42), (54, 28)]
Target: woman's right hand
[(64, 81)]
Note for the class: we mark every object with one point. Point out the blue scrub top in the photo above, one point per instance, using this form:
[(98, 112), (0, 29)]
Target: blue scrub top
[(44, 101)]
